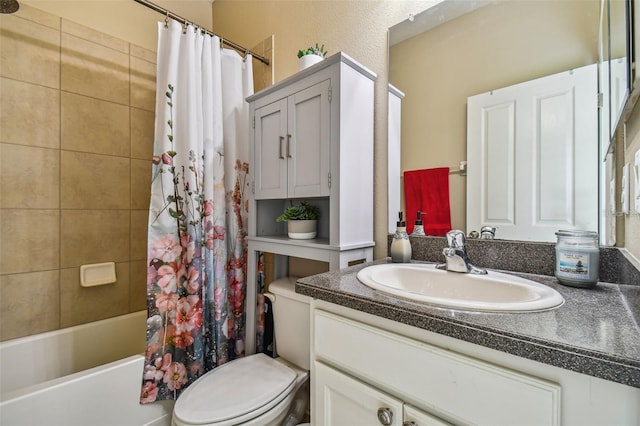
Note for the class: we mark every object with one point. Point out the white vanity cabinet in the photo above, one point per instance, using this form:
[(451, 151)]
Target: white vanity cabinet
[(363, 363)]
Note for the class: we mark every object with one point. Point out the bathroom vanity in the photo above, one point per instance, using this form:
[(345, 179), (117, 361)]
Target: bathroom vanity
[(378, 359)]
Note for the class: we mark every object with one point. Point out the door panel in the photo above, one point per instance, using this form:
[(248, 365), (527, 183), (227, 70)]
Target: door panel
[(270, 163), (498, 158), (309, 127), (554, 151), (345, 401)]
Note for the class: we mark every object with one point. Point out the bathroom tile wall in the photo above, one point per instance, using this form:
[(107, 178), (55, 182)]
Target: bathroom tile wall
[(76, 138), (263, 75)]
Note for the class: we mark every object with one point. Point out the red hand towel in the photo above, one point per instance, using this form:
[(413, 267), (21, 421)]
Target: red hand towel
[(428, 191)]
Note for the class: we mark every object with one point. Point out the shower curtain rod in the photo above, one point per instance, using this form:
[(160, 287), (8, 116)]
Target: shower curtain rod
[(182, 20)]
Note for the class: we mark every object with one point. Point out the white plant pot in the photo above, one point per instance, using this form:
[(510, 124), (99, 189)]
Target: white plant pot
[(302, 229), (308, 60)]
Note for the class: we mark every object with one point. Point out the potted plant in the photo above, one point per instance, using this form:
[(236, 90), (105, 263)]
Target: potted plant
[(302, 220), (310, 56)]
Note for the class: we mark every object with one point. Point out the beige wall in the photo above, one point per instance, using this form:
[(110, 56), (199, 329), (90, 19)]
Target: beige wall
[(490, 48), (359, 28), (76, 120)]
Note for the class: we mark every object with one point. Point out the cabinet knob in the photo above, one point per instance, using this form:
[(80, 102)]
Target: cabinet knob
[(385, 416), (409, 424)]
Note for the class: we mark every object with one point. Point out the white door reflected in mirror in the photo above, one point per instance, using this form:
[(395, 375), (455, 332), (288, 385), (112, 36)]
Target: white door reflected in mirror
[(532, 150)]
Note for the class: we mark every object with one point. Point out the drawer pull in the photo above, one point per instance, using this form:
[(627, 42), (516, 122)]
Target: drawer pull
[(385, 416)]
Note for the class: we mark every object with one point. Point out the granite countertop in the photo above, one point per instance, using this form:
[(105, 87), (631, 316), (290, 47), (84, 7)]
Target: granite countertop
[(595, 332)]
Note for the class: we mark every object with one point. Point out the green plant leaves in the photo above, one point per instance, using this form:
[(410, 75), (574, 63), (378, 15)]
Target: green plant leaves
[(302, 211)]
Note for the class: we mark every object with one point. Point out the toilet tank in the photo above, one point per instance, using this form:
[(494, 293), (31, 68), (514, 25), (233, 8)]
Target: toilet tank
[(291, 322)]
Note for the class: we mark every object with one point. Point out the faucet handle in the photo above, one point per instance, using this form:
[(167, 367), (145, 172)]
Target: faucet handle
[(456, 239), (487, 232)]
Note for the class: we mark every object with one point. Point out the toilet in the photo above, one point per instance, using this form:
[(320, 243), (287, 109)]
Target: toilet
[(256, 389)]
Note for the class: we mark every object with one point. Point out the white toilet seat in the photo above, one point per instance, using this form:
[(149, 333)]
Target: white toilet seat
[(236, 392)]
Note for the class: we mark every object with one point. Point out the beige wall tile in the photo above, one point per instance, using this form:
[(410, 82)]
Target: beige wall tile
[(92, 181), (138, 286), (143, 84), (139, 226), (94, 236), (29, 177), (142, 129), (36, 15), (94, 70), (29, 114), (142, 53), (140, 184), (29, 304), (79, 305), (30, 51), (94, 125), (30, 240), (86, 33), (263, 75)]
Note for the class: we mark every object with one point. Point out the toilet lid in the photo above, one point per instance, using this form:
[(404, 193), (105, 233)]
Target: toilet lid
[(235, 389)]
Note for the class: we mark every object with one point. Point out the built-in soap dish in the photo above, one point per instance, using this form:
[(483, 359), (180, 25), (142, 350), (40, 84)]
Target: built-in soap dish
[(97, 274)]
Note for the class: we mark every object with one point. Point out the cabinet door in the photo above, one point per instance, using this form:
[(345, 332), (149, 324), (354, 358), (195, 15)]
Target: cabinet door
[(343, 400), (415, 417), (308, 141), (270, 162)]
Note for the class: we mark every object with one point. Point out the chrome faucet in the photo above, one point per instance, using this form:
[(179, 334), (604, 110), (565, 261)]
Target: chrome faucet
[(456, 255)]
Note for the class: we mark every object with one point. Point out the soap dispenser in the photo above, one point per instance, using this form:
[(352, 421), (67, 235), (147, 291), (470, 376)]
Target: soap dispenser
[(418, 228), (400, 245)]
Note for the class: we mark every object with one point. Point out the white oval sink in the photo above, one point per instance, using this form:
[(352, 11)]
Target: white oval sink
[(492, 292)]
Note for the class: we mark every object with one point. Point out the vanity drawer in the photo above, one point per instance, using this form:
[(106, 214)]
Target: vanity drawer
[(445, 383)]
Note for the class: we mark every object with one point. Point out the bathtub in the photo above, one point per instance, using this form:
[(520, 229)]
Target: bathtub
[(52, 378)]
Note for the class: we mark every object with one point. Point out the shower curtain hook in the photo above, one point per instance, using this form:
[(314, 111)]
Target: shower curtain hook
[(166, 19)]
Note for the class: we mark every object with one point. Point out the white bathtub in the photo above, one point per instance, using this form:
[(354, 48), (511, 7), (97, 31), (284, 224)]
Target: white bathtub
[(41, 384)]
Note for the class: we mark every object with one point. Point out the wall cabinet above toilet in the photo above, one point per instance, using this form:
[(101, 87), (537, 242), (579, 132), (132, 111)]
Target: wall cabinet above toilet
[(311, 139)]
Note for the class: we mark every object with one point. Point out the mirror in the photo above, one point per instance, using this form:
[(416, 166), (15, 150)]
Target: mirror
[(458, 49)]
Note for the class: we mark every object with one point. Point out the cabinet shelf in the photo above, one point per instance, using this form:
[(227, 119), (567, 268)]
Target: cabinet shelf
[(269, 210), (321, 243)]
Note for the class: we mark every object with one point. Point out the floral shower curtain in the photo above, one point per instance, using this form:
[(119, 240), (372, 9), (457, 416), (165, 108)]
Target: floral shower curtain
[(198, 211)]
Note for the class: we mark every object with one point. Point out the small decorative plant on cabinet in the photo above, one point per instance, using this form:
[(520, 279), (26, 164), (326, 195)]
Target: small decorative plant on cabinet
[(302, 220), (310, 56)]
